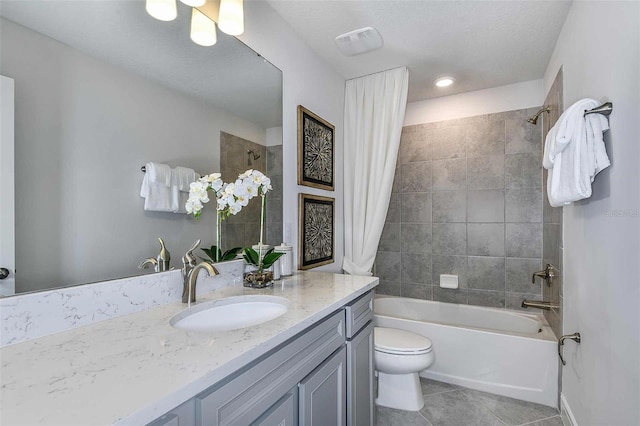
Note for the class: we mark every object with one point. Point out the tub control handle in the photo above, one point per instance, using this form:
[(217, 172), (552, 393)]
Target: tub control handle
[(575, 337)]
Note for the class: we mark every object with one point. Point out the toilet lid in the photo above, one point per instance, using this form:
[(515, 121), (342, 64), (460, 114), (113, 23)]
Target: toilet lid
[(393, 340)]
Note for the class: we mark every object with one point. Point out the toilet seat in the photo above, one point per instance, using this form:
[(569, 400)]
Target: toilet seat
[(400, 342)]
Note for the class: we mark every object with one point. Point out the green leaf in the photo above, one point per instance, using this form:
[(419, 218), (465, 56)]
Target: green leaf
[(270, 259), (231, 253), (251, 256)]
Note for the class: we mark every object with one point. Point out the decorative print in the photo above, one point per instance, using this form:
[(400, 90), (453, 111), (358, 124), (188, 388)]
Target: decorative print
[(315, 150), (316, 230)]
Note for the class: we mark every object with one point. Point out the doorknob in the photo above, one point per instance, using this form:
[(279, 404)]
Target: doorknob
[(4, 273)]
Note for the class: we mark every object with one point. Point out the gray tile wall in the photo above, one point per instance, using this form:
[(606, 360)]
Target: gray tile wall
[(467, 200), (274, 197), (552, 218), (243, 229)]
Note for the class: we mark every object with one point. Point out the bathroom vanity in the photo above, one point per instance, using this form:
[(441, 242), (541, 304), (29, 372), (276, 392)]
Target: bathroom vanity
[(312, 365), (323, 376)]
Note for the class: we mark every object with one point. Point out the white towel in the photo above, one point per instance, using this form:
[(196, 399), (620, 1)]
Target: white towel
[(156, 189), (574, 153), (159, 173), (181, 178)]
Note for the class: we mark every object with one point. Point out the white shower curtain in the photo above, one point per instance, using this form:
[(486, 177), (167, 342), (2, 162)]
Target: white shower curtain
[(373, 116)]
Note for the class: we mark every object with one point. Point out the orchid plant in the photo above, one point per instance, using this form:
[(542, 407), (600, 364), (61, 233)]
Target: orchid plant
[(230, 198)]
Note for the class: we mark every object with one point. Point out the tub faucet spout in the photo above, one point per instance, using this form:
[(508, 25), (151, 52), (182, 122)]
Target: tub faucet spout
[(539, 304)]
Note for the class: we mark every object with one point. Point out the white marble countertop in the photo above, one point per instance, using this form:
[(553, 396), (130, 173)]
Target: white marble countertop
[(134, 368)]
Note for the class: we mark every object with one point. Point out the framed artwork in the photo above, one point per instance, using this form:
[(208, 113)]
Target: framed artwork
[(316, 217), (315, 150)]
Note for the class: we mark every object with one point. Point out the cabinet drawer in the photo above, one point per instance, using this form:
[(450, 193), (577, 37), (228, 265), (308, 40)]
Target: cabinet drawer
[(246, 396), (359, 313)]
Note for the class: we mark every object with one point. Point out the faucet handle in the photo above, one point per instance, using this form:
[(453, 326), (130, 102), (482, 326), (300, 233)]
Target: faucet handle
[(547, 274), (149, 262), (189, 258)]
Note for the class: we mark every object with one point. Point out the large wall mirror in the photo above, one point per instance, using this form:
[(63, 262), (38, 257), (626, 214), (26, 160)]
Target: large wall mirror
[(102, 88)]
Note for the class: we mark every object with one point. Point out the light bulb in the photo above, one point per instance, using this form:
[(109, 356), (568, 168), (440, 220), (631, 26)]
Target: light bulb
[(444, 81), (231, 17), (203, 29), (194, 3), (163, 10)]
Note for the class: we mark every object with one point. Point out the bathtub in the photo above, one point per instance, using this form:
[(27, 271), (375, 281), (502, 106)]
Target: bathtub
[(503, 352)]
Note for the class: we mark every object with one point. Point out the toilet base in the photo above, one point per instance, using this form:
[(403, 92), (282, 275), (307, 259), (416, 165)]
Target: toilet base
[(400, 391)]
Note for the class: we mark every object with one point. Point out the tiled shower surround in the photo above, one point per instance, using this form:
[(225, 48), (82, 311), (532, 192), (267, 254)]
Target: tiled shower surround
[(467, 200), (243, 229)]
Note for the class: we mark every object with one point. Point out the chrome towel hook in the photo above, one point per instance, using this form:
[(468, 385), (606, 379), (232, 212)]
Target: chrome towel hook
[(575, 337)]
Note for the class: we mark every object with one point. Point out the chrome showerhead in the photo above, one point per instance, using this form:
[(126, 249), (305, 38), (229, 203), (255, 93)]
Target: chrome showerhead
[(534, 120)]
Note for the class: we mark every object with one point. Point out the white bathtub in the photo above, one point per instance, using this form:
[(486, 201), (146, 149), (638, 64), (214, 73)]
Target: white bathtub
[(503, 352)]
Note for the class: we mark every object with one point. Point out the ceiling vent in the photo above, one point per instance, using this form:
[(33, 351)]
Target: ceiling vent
[(359, 41)]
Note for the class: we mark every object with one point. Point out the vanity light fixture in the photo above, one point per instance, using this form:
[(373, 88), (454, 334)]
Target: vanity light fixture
[(444, 81), (203, 29), (228, 14), (163, 10), (194, 3), (231, 17)]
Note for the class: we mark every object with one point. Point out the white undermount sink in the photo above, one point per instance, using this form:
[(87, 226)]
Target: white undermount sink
[(230, 313)]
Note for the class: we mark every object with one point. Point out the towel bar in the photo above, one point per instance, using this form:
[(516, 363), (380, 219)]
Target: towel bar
[(144, 170), (604, 109)]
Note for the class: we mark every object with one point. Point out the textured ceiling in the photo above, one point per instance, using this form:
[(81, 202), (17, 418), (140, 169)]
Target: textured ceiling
[(228, 75), (482, 43)]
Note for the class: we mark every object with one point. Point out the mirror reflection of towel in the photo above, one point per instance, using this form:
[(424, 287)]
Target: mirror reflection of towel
[(181, 178), (156, 189)]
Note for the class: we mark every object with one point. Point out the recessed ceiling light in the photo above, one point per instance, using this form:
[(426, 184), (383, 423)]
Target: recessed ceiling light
[(444, 81)]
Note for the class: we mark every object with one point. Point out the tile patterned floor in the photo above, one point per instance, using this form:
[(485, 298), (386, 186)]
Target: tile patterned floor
[(450, 405)]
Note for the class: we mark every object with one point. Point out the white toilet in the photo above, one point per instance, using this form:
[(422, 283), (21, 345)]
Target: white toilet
[(399, 357)]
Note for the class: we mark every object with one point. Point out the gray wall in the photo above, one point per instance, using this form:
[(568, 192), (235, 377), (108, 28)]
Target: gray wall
[(601, 382), (467, 200), (85, 127)]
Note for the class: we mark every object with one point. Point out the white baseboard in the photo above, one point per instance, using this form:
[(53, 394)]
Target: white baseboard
[(565, 412)]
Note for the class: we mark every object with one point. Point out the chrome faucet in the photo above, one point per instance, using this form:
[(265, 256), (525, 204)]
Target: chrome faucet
[(548, 274), (161, 262), (190, 271), (150, 261), (539, 304)]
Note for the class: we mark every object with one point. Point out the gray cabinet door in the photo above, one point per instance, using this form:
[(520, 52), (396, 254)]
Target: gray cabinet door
[(283, 413), (246, 396), (322, 393), (360, 378)]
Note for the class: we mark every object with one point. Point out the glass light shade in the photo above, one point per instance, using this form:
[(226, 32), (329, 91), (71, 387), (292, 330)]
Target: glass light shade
[(203, 29), (231, 17), (163, 10), (444, 81), (194, 3)]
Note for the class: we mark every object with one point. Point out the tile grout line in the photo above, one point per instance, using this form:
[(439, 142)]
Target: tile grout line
[(424, 417), (539, 420)]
